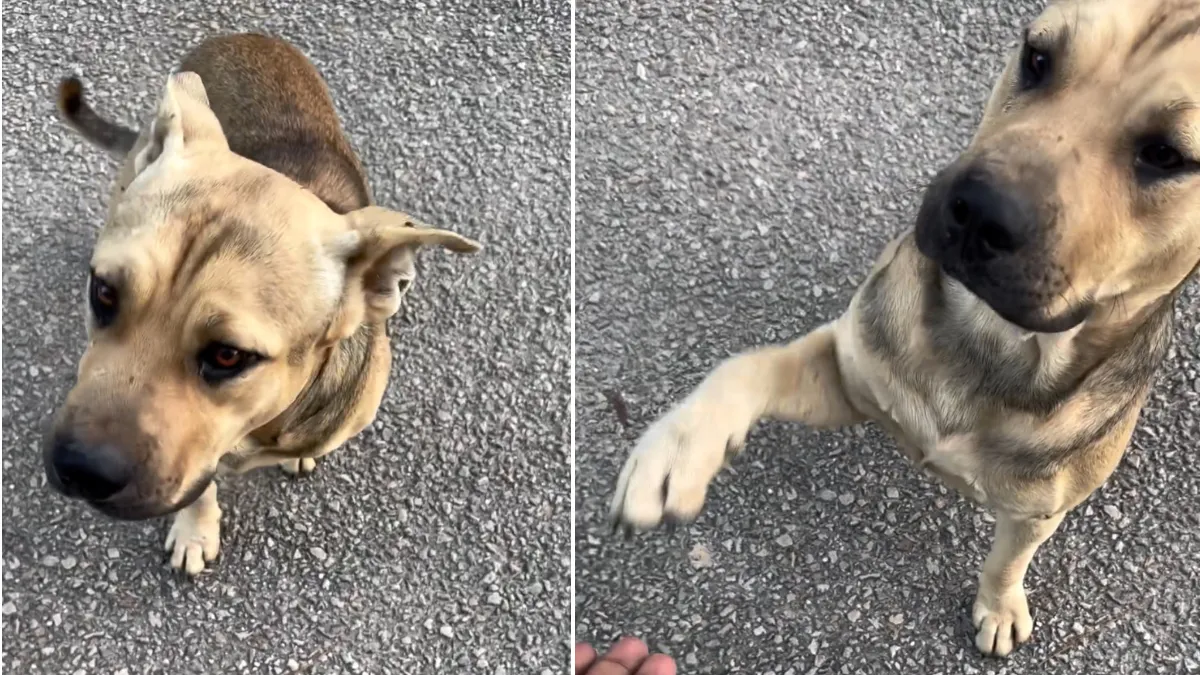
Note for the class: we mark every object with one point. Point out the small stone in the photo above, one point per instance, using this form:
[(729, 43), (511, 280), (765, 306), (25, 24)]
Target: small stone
[(691, 659), (494, 599), (846, 499), (1077, 628), (854, 615), (1112, 511), (446, 631), (113, 554), (827, 495), (893, 493), (50, 561), (69, 562), (155, 620), (293, 665), (641, 71), (318, 553), (8, 609), (700, 557), (784, 540), (896, 619)]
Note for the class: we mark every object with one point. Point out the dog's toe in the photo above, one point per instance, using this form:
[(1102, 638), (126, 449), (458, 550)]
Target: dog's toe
[(298, 467), (193, 542), (1003, 622)]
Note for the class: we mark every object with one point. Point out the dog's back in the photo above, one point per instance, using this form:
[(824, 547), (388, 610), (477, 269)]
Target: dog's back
[(274, 109)]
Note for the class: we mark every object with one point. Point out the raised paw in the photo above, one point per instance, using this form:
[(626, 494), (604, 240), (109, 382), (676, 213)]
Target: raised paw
[(194, 539), (667, 475), (298, 467), (1002, 621)]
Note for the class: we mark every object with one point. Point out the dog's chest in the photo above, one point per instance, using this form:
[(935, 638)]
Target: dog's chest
[(917, 421)]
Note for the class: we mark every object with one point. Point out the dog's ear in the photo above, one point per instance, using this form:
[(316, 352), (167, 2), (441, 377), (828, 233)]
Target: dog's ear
[(378, 251), (183, 121)]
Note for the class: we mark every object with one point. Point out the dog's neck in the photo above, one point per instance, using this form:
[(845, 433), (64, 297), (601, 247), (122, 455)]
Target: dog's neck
[(1037, 371), (321, 409)]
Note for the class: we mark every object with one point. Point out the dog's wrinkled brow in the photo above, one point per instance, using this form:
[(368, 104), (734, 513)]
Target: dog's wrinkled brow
[(1167, 28)]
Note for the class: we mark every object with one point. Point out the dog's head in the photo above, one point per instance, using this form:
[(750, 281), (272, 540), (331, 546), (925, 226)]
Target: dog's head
[(216, 286), (1081, 187)]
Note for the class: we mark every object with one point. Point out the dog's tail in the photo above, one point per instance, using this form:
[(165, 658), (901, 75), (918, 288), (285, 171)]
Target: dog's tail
[(115, 139)]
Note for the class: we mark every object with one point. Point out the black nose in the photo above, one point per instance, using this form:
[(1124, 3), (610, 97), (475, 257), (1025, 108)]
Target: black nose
[(94, 473), (984, 221)]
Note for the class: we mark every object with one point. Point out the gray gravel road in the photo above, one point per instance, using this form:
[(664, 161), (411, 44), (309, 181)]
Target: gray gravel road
[(438, 541), (739, 166)]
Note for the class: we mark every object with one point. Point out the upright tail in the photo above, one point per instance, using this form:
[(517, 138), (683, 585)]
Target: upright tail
[(112, 137)]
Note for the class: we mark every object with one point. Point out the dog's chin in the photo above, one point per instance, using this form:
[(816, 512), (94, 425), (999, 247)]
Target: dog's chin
[(119, 509)]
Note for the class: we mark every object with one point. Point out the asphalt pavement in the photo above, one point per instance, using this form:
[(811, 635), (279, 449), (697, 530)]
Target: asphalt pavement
[(739, 166), (438, 540)]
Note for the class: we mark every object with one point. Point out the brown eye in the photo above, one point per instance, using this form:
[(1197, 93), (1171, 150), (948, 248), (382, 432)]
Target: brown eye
[(227, 357), (220, 362), (103, 300)]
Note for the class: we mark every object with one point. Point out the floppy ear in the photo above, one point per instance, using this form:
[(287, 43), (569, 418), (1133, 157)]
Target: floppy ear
[(183, 121), (378, 252)]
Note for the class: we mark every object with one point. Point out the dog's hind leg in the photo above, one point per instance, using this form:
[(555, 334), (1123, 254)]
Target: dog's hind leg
[(667, 475), (1001, 612)]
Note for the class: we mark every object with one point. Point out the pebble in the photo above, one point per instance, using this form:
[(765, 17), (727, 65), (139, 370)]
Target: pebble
[(494, 599), (784, 540), (446, 631)]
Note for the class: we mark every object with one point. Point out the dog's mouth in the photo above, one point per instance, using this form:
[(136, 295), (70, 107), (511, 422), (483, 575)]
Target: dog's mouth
[(128, 506), (119, 509), (1016, 305)]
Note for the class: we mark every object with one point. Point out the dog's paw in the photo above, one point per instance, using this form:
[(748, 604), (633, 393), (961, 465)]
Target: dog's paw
[(1002, 621), (666, 477), (194, 539), (298, 467)]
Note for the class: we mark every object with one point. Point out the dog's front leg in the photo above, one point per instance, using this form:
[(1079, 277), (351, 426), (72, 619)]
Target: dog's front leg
[(667, 475), (1001, 613), (195, 535)]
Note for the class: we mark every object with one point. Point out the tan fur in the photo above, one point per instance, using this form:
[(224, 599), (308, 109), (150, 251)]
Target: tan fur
[(1121, 246), (239, 216)]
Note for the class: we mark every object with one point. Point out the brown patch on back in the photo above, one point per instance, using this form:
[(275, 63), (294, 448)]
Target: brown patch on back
[(276, 110)]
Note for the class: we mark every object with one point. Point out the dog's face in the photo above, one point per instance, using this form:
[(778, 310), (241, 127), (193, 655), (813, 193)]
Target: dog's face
[(1081, 189), (216, 287)]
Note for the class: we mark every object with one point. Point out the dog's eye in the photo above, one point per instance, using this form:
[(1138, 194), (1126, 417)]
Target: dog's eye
[(103, 299), (220, 362), (1035, 67), (1160, 157)]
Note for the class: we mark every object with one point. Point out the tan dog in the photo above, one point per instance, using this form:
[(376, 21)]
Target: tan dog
[(238, 296), (1009, 342)]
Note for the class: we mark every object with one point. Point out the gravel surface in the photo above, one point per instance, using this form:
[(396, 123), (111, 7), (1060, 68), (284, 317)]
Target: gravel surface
[(437, 541), (739, 166)]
